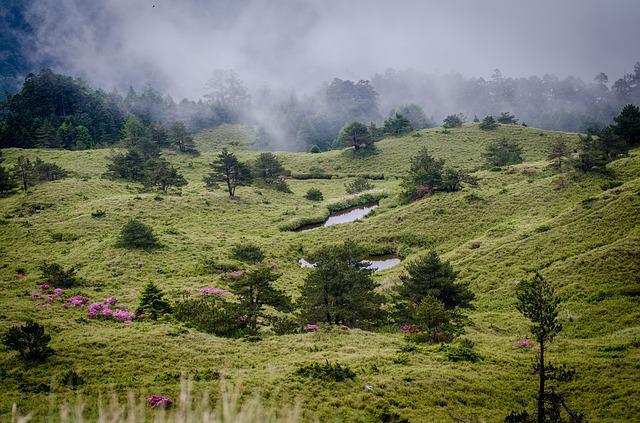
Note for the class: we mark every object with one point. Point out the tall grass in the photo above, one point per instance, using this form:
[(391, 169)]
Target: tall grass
[(187, 408)]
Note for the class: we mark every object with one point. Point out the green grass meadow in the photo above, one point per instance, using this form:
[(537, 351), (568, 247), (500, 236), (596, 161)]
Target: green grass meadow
[(580, 231)]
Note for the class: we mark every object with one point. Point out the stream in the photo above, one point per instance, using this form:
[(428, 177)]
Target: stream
[(343, 216), (375, 263)]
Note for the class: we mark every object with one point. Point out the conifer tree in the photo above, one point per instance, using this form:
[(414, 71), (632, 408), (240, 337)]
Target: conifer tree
[(152, 302)]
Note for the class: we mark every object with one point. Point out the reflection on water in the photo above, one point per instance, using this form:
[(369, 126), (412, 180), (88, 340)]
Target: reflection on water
[(349, 215), (344, 216), (375, 263)]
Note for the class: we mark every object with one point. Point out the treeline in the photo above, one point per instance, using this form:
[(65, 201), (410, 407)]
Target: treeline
[(548, 102), (57, 111)]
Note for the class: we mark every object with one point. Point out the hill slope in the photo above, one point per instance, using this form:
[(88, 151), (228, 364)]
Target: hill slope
[(582, 234)]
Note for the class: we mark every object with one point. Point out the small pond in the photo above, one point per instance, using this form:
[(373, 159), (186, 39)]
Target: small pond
[(343, 216), (375, 263)]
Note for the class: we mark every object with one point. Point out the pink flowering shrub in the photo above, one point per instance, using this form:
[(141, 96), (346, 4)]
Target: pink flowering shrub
[(523, 343), (123, 315), (44, 287), (155, 401), (311, 328), (212, 291), (111, 300), (58, 292), (35, 294), (75, 301), (407, 329), (344, 327)]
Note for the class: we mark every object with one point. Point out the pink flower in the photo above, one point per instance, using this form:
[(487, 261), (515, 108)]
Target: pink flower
[(311, 328), (123, 315), (51, 297), (35, 294), (44, 286), (159, 401), (111, 300), (209, 193), (75, 301), (522, 343), (58, 292), (407, 329), (344, 327), (212, 291), (20, 275), (106, 312)]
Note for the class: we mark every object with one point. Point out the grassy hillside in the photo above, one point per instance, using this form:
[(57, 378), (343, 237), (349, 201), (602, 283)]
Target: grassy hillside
[(583, 234)]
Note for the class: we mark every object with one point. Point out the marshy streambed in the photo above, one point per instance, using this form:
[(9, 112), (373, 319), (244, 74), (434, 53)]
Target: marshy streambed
[(375, 263), (343, 216)]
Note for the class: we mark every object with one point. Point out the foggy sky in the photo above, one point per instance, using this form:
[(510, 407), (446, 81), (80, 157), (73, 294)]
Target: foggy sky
[(297, 44)]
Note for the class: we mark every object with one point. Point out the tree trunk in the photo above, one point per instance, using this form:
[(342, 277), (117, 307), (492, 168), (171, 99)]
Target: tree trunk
[(24, 181), (229, 187), (542, 380)]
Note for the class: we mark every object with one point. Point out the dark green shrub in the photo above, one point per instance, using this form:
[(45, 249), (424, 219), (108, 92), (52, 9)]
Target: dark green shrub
[(453, 121), (280, 185), (327, 371), (248, 252), (152, 302), (29, 340), (98, 214), (71, 378), (358, 185), (314, 194), (56, 276), (285, 324), (211, 314), (136, 234), (488, 123), (503, 152), (462, 352), (314, 149)]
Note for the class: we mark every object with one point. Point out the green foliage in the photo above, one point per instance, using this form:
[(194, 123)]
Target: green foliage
[(340, 289), (559, 151), (425, 175), (29, 340), (135, 234), (179, 137), (429, 276), (48, 171), (6, 181), (255, 291), (24, 172), (248, 252), (268, 169), (315, 149), (228, 169), (462, 351), (356, 135), (334, 372), (414, 113), (627, 125), (57, 111), (211, 314), (152, 303), (314, 194), (488, 123), (396, 125), (503, 152), (432, 322), (453, 121), (56, 276), (359, 184), (507, 118), (159, 173), (536, 300)]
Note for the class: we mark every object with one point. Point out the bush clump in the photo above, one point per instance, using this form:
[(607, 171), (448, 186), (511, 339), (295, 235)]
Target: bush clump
[(360, 184), (314, 194), (137, 235), (335, 372), (462, 352), (54, 275), (152, 302), (211, 314), (98, 214), (29, 340), (248, 252)]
